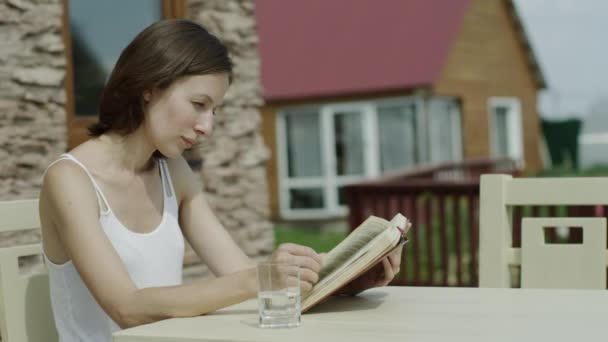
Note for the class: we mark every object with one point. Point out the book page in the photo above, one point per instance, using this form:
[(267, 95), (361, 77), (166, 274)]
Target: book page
[(362, 260), (354, 242)]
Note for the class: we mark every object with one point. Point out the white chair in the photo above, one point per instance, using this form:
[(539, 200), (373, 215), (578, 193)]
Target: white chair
[(25, 308), (543, 265)]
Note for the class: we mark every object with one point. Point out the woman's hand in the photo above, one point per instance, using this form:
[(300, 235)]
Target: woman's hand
[(304, 257), (379, 275)]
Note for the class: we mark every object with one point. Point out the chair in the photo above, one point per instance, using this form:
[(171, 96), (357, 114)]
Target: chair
[(25, 308), (543, 265)]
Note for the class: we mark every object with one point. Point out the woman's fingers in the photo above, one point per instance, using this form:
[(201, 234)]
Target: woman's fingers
[(308, 278), (298, 250), (306, 262), (388, 271), (305, 258)]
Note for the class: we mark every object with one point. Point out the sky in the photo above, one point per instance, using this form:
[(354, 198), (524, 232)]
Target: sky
[(569, 40)]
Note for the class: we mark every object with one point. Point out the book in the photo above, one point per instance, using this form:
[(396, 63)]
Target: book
[(362, 249)]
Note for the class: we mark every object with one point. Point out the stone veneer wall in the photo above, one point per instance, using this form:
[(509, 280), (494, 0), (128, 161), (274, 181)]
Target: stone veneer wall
[(32, 98), (233, 171)]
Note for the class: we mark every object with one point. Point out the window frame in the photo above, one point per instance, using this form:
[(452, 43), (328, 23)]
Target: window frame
[(515, 129), (455, 117), (76, 126), (330, 181)]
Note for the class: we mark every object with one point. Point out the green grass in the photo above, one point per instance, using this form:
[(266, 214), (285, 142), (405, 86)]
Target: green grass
[(317, 239), (594, 171)]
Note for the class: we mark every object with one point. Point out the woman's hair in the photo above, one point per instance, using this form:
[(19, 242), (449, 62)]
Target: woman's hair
[(159, 55)]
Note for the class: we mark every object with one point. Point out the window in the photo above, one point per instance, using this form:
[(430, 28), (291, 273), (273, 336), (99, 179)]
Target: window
[(303, 166), (398, 136), (506, 138), (93, 46), (322, 148), (445, 130)]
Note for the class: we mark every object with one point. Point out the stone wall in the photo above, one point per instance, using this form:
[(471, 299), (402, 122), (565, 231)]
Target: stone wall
[(32, 98), (233, 171)]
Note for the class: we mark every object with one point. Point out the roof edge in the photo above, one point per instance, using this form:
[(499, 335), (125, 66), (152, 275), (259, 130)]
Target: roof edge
[(523, 36)]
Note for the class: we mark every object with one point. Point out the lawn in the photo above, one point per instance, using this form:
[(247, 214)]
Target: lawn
[(321, 240)]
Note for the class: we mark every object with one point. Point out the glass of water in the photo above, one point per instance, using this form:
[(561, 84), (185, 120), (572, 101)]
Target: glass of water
[(278, 295)]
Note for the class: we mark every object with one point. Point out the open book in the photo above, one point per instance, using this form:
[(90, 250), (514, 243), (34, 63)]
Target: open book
[(358, 252)]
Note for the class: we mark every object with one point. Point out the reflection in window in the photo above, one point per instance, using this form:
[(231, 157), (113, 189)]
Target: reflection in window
[(397, 137), (501, 142), (348, 132), (306, 198), (303, 143), (96, 44), (445, 133)]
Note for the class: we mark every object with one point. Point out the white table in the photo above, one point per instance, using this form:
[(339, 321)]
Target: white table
[(408, 314)]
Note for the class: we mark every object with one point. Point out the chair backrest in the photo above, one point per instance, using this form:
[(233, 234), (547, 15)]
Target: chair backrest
[(25, 307), (543, 265)]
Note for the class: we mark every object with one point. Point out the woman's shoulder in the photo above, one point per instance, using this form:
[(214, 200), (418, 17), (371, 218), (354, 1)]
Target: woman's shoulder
[(184, 180), (65, 176)]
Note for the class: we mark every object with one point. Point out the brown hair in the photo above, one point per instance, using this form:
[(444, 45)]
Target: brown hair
[(159, 55)]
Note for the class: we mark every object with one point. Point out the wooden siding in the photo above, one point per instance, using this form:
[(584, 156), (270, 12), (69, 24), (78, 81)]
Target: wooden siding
[(488, 59), (269, 124)]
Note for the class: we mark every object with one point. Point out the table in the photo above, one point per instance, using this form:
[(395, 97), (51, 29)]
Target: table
[(408, 314)]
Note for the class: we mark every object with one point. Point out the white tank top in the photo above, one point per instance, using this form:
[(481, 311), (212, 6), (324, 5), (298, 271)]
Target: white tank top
[(152, 259)]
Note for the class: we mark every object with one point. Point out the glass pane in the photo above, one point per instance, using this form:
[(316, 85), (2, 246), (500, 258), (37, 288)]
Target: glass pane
[(96, 45), (341, 196), (501, 134), (397, 137), (348, 131), (443, 137), (306, 198), (303, 143)]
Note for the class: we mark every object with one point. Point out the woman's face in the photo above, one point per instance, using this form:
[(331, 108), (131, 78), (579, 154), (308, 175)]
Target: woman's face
[(176, 117)]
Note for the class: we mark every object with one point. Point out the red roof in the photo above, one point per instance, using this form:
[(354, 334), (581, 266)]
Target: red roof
[(312, 48)]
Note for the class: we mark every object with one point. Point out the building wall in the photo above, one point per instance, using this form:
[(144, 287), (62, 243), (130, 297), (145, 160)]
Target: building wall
[(488, 59), (234, 160), (33, 116), (32, 99)]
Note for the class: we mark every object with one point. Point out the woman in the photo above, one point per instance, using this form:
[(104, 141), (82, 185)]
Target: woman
[(116, 209)]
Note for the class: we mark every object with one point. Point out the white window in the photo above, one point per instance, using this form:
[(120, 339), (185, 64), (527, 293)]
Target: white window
[(506, 138), (445, 133), (400, 144), (323, 148)]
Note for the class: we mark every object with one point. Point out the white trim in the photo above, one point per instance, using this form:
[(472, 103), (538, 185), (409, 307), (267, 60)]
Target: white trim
[(328, 138), (281, 148), (514, 126), (455, 114), (372, 148), (329, 182)]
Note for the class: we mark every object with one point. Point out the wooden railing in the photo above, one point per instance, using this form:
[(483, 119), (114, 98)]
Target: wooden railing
[(443, 204), (442, 201)]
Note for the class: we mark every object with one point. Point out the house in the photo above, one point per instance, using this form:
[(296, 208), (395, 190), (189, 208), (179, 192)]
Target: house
[(356, 88)]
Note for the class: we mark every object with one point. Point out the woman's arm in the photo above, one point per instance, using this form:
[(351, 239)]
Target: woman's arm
[(70, 198), (207, 236), (211, 241)]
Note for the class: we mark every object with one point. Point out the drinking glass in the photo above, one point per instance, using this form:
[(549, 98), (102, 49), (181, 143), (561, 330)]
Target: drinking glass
[(278, 295)]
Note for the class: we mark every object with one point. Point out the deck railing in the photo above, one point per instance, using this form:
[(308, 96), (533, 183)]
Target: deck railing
[(442, 201)]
